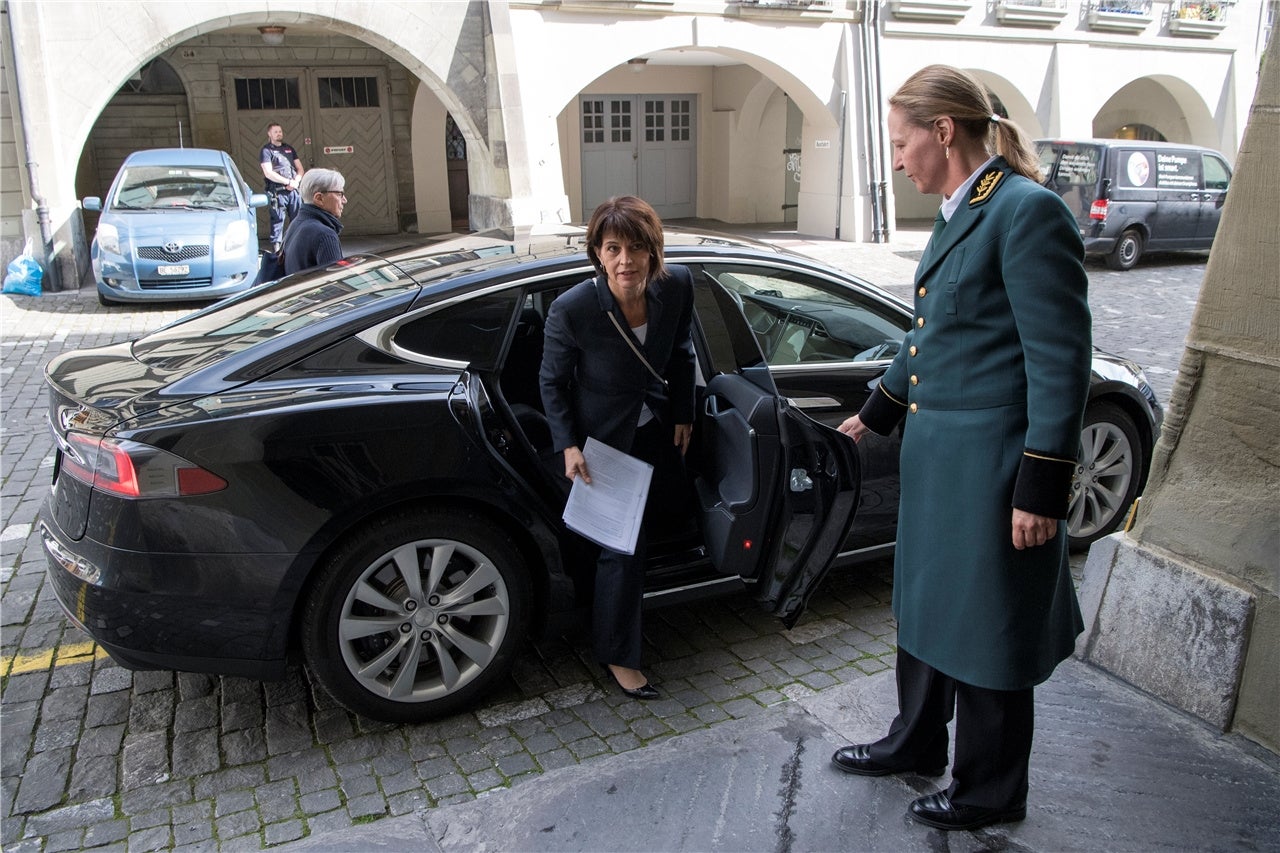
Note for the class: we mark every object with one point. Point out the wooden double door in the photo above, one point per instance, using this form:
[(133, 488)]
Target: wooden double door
[(336, 118)]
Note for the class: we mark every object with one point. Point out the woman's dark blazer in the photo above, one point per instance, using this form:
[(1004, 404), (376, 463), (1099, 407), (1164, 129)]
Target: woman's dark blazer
[(594, 385)]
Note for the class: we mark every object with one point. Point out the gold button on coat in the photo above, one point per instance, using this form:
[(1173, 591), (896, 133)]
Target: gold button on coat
[(915, 380), (914, 408), (913, 349), (919, 322), (923, 290)]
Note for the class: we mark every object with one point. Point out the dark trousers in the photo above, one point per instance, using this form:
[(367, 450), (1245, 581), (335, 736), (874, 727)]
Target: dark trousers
[(619, 586), (284, 203), (993, 735)]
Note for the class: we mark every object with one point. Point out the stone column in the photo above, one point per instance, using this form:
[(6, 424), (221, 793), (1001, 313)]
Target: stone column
[(1185, 605)]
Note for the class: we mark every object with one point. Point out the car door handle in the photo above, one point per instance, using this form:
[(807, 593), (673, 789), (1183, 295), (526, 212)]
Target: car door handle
[(815, 402)]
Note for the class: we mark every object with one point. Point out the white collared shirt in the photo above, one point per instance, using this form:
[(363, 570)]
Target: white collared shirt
[(950, 204)]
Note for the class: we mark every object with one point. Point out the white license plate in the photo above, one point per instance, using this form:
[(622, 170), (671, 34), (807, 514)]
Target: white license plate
[(173, 269)]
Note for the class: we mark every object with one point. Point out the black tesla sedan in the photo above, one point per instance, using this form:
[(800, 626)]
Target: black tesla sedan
[(352, 463)]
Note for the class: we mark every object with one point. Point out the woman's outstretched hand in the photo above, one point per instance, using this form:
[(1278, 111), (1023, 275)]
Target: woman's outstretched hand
[(854, 428)]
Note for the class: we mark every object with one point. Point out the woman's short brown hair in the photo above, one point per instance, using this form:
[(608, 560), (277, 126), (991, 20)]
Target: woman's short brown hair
[(631, 219)]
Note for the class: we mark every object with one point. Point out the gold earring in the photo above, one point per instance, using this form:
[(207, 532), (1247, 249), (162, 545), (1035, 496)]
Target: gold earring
[(947, 152)]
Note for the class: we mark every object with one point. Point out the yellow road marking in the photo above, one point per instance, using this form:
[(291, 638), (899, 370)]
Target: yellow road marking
[(61, 656)]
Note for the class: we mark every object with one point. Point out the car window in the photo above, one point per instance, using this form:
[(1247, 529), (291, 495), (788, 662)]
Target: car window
[(271, 312), (471, 330), (799, 318), (1216, 173), (161, 187), (1065, 164)]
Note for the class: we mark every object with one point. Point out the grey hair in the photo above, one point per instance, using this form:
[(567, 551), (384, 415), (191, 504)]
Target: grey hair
[(320, 181)]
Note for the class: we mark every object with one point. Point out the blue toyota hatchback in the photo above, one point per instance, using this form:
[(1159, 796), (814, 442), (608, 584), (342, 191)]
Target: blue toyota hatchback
[(178, 224)]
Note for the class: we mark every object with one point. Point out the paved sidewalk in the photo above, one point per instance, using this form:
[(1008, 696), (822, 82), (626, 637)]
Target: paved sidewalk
[(1112, 769)]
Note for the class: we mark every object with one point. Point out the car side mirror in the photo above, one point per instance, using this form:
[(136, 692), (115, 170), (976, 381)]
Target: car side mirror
[(92, 202), (259, 200)]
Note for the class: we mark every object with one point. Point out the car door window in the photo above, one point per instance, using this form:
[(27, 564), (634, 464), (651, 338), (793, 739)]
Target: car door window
[(470, 331), (1216, 173), (799, 318)]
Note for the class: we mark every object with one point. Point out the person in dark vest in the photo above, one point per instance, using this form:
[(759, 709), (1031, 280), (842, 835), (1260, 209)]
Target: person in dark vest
[(991, 382), (618, 366), (283, 172), (312, 240)]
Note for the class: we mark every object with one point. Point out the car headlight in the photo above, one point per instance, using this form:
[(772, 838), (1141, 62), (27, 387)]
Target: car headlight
[(108, 238), (235, 237)]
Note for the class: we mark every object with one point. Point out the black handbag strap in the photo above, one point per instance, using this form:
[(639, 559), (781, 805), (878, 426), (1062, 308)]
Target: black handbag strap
[(634, 348)]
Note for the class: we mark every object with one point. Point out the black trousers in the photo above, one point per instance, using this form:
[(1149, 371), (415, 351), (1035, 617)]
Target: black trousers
[(619, 583), (993, 735), (284, 204)]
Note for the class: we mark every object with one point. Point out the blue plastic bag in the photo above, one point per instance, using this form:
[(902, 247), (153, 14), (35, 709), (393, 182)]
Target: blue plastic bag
[(24, 274)]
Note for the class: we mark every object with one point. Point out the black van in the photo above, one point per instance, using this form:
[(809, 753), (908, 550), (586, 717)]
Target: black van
[(1131, 196)]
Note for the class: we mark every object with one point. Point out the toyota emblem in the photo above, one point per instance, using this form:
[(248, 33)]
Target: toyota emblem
[(172, 247)]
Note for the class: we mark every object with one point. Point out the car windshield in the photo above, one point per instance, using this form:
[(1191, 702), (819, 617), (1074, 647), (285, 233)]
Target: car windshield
[(166, 187), (364, 287), (801, 319)]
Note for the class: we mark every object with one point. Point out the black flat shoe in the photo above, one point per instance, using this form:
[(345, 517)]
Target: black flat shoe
[(857, 759), (938, 810), (644, 691)]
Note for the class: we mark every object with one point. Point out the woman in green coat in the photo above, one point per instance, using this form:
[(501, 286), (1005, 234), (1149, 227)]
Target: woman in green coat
[(992, 381)]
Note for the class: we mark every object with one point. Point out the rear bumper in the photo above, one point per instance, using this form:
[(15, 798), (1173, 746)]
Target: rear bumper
[(189, 612)]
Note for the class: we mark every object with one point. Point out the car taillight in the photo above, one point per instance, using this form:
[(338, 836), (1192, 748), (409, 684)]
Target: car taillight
[(1098, 210), (133, 470)]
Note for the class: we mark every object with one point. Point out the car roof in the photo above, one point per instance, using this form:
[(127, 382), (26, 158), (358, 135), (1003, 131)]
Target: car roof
[(524, 246), (1128, 143), (176, 157)]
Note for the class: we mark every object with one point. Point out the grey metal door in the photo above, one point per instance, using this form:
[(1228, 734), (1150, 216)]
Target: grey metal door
[(640, 145)]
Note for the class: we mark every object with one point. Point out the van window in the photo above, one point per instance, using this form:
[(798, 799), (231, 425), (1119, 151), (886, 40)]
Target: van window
[(1216, 173), (1178, 170), (1136, 168), (1076, 165)]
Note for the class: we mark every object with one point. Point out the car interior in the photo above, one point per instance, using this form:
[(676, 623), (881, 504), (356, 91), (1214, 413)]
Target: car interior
[(793, 319)]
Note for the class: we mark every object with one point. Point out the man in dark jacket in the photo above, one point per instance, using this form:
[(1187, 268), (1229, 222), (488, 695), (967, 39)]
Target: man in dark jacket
[(312, 240)]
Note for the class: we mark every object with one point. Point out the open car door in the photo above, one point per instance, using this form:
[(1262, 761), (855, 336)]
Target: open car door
[(776, 490)]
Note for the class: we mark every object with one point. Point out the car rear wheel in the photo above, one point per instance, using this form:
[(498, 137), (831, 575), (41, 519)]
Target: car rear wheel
[(1127, 251), (1107, 475), (416, 615)]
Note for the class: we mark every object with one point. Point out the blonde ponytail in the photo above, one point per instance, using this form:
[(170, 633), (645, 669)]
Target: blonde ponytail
[(941, 90)]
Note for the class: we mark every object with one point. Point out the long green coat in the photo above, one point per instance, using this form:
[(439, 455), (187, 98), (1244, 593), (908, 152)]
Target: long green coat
[(992, 381)]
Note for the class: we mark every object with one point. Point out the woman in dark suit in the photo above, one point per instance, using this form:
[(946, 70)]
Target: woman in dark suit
[(618, 365), (992, 381)]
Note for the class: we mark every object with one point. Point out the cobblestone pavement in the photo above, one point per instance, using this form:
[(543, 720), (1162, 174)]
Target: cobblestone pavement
[(96, 756)]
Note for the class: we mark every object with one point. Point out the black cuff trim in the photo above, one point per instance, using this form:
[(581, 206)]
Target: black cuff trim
[(882, 412), (1044, 484)]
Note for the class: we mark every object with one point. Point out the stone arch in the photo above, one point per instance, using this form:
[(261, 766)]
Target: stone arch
[(1165, 103), (729, 122), (451, 76)]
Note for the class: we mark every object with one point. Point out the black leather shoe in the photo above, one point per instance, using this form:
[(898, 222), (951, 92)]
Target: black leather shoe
[(857, 759), (644, 691), (938, 810)]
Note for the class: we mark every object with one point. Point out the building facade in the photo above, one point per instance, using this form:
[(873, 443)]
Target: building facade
[(448, 114)]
